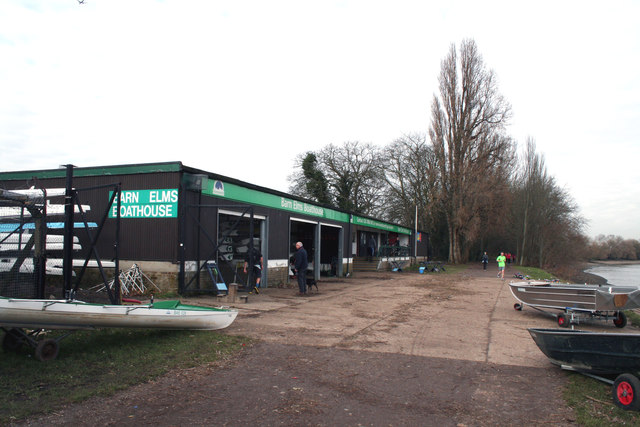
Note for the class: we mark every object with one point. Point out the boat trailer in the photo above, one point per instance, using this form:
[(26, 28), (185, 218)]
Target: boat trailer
[(45, 349), (571, 316)]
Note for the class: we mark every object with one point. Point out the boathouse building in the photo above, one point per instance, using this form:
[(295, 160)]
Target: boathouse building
[(174, 219)]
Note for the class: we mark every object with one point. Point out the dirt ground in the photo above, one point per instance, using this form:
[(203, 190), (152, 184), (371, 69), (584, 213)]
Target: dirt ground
[(379, 349)]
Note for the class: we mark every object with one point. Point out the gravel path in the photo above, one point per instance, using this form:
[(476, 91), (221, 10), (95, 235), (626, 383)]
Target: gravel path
[(385, 349)]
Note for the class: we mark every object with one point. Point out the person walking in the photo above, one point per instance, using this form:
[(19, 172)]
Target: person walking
[(300, 265), (253, 260), (501, 262), (485, 261)]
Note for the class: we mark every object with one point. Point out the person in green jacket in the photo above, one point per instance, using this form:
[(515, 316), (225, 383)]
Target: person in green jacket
[(501, 261)]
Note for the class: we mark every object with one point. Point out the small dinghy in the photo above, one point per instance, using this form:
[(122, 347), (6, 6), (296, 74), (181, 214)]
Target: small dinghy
[(598, 355)]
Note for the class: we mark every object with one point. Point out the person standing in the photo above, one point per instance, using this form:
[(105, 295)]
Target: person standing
[(254, 258), (485, 261), (371, 249), (300, 265), (501, 261)]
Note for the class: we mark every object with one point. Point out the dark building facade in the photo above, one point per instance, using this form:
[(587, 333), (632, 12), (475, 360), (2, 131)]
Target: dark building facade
[(174, 218)]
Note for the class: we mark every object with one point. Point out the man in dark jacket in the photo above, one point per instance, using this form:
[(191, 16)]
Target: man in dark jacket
[(253, 262), (300, 265)]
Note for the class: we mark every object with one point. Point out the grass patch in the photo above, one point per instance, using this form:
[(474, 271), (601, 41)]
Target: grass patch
[(633, 318), (592, 403), (100, 363), (454, 268), (534, 273), (448, 268)]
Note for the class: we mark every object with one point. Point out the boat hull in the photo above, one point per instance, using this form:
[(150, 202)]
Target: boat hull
[(576, 297), (61, 314), (594, 352)]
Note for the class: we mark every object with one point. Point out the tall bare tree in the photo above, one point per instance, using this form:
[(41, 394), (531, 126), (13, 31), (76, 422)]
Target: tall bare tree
[(547, 225), (533, 182), (472, 152), (408, 165)]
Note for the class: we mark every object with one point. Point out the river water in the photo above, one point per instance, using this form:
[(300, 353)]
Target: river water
[(621, 275)]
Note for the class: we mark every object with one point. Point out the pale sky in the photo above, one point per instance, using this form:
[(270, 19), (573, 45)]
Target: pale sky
[(240, 88)]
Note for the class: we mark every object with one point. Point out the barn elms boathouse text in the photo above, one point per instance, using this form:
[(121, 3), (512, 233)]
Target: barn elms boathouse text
[(147, 204)]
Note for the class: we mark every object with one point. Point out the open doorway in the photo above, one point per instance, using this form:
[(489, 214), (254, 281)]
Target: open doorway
[(234, 250), (368, 244), (305, 232), (330, 250)]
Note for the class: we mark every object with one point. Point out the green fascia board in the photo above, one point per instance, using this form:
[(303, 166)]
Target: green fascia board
[(238, 193), (368, 222), (93, 171), (225, 190)]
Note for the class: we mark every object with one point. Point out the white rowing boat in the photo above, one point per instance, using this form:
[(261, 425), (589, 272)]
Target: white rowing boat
[(62, 314), (48, 246), (24, 237), (53, 266)]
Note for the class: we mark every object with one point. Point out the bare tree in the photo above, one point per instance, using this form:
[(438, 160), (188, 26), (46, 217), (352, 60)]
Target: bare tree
[(547, 225), (348, 177), (354, 176), (472, 153), (614, 247), (409, 165), (533, 183)]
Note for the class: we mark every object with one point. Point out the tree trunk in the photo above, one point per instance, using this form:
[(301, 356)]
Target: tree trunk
[(524, 234)]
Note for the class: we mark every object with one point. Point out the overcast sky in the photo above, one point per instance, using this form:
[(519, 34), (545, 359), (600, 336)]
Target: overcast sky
[(240, 88)]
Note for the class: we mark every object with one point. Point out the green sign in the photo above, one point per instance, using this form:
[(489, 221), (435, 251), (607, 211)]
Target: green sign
[(368, 222), (146, 204), (247, 195)]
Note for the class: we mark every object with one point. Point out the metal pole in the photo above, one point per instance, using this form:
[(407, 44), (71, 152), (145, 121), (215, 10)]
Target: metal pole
[(116, 248), (67, 260), (415, 237)]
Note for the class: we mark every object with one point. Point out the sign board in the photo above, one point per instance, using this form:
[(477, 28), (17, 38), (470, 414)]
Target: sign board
[(162, 203)]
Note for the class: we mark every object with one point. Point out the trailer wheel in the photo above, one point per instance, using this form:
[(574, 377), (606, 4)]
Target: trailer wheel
[(47, 349), (517, 306), (620, 320), (626, 392), (12, 340), (563, 320)]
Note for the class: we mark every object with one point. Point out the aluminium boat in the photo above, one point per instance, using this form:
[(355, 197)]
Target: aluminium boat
[(602, 301), (577, 297)]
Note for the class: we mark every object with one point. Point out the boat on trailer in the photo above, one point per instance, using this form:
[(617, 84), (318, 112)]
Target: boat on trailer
[(40, 314), (613, 358), (575, 301)]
